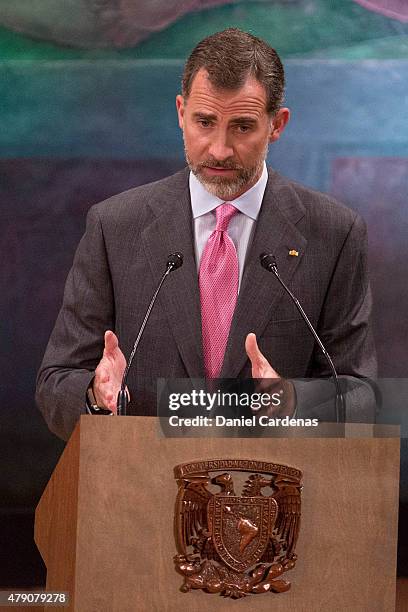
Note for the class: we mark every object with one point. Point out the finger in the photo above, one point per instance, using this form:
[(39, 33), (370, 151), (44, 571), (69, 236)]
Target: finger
[(105, 395), (110, 399), (261, 368), (112, 406), (111, 343), (252, 350)]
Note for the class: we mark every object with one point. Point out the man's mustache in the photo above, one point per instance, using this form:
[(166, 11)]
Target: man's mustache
[(225, 165)]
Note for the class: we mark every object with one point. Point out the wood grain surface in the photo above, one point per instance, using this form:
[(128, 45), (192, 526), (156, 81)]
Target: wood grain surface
[(55, 530), (126, 495)]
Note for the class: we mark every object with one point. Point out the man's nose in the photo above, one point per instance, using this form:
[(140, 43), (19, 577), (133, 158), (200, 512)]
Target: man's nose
[(220, 147)]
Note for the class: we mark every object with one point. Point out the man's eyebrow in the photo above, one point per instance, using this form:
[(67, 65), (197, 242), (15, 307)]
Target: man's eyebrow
[(244, 120), (236, 120), (201, 115)]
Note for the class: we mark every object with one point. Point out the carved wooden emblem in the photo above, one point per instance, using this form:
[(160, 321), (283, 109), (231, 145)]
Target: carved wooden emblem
[(236, 544)]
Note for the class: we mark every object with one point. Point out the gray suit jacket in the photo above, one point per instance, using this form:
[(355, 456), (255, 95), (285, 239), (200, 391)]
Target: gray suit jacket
[(123, 253)]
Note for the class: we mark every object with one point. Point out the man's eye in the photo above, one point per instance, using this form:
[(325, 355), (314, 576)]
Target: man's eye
[(243, 129), (205, 123)]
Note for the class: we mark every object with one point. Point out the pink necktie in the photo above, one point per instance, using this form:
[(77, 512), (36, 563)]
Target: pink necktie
[(218, 278)]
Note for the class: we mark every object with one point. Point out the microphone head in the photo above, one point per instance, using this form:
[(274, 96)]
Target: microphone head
[(174, 261), (268, 261)]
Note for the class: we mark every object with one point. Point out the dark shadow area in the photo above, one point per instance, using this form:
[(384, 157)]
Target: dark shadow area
[(21, 563)]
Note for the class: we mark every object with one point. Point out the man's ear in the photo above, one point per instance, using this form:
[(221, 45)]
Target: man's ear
[(180, 110), (279, 122)]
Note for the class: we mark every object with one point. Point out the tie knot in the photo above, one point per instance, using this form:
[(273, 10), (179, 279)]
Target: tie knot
[(224, 214)]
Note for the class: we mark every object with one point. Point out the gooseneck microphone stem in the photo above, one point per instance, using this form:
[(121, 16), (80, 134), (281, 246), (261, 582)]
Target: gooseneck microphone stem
[(269, 263), (174, 261)]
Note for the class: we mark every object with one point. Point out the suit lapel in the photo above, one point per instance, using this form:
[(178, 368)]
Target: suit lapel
[(172, 231), (260, 293)]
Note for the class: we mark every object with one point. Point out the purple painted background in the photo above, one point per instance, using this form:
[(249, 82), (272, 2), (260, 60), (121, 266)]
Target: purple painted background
[(378, 189)]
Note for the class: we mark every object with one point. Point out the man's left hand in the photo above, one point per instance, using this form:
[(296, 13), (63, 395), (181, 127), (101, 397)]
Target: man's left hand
[(262, 369)]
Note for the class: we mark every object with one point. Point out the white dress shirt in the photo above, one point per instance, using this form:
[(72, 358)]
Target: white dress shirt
[(241, 227)]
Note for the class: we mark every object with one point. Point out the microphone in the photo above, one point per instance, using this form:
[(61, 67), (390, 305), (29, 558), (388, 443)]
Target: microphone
[(174, 261), (268, 262)]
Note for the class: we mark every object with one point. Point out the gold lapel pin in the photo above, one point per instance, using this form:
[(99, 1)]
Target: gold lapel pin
[(294, 253)]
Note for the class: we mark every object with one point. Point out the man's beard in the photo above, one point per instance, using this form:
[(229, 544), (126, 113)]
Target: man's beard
[(226, 188)]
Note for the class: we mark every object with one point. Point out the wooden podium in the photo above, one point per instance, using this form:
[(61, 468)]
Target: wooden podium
[(104, 525)]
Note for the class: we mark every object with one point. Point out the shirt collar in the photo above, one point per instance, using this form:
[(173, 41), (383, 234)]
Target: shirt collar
[(249, 203)]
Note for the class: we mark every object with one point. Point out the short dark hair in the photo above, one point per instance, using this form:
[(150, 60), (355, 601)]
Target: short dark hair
[(230, 57)]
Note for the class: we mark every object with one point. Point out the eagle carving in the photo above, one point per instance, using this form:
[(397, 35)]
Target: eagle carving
[(233, 544)]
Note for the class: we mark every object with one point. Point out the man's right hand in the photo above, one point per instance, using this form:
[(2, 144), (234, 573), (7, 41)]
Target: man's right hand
[(109, 373)]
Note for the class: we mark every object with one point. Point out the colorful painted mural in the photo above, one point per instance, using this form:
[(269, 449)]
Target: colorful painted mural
[(125, 23), (396, 9)]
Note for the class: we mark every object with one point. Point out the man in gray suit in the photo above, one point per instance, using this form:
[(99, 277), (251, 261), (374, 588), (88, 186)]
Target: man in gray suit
[(230, 110)]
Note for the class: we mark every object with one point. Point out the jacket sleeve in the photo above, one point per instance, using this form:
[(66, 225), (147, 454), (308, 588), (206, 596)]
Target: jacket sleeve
[(345, 329), (76, 343), (345, 321)]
